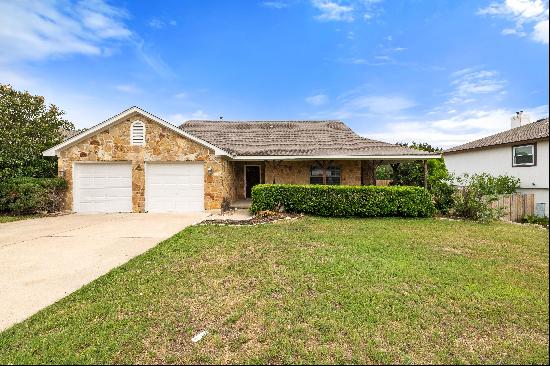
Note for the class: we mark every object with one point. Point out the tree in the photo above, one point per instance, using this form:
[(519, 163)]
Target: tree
[(412, 173), (439, 181), (28, 127)]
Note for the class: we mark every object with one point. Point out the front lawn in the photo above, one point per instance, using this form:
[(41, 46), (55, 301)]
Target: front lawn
[(6, 218), (314, 290)]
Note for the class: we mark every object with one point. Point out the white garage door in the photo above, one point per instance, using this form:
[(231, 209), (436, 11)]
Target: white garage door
[(174, 187), (102, 187)]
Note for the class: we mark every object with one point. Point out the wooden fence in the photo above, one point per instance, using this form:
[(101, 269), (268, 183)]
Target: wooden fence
[(383, 182), (516, 205)]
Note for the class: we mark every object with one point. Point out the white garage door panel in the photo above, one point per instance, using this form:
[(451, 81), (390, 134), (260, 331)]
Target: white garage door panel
[(174, 187), (103, 187)]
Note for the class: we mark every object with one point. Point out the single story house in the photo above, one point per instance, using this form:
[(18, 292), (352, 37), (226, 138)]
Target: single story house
[(521, 151), (137, 162)]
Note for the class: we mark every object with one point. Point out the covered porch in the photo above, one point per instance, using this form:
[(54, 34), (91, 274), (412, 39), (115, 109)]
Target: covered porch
[(354, 171)]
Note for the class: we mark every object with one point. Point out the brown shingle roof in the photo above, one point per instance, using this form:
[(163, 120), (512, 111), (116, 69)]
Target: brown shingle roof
[(531, 131), (291, 138)]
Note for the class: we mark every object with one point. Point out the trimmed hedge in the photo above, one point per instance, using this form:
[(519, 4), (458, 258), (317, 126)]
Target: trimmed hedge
[(362, 201), (32, 195)]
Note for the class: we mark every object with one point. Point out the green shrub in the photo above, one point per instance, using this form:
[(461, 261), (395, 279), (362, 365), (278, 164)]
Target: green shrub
[(362, 201), (32, 195), (532, 219), (384, 172), (476, 193), (488, 184), (443, 195)]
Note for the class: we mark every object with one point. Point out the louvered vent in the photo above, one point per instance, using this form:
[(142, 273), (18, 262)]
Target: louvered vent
[(137, 134)]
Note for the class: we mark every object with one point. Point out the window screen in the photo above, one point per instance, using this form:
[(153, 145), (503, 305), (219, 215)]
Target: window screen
[(524, 155), (320, 175)]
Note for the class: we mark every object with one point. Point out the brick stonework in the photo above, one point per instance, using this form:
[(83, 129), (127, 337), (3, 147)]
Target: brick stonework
[(162, 144), (297, 172), (113, 144)]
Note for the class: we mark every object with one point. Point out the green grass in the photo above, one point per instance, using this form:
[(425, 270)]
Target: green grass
[(314, 290), (6, 218)]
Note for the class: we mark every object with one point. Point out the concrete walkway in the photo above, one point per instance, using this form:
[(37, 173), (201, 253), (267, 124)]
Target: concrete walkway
[(42, 260)]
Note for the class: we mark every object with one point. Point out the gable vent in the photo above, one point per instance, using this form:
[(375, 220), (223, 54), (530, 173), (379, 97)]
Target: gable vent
[(137, 133)]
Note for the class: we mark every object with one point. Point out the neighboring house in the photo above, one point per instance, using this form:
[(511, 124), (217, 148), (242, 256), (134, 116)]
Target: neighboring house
[(136, 162), (521, 152)]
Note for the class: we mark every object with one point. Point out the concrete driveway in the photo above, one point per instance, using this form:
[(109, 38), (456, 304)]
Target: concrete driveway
[(45, 259)]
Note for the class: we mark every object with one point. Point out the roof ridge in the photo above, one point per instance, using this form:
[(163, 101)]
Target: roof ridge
[(266, 120)]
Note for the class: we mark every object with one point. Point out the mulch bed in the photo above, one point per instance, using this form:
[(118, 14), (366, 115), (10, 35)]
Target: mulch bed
[(262, 217)]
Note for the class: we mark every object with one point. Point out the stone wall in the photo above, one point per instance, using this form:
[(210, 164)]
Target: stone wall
[(239, 176), (162, 144), (297, 172)]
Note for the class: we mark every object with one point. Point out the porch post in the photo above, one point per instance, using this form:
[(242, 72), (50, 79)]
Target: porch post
[(370, 173), (425, 165)]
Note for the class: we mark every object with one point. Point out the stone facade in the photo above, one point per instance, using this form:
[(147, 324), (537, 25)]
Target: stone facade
[(161, 144), (226, 179), (298, 172)]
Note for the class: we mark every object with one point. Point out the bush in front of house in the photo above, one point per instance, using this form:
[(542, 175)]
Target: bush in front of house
[(344, 201), (475, 193), (537, 220), (488, 184), (27, 195)]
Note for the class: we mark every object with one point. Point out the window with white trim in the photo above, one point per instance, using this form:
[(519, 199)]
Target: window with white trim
[(523, 155), (137, 133)]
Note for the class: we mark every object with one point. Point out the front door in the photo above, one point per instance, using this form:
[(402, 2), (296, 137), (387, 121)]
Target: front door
[(252, 177)]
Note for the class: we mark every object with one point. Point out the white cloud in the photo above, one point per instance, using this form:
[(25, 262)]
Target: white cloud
[(275, 4), (540, 32), (379, 104), (469, 83), (38, 29), (520, 8), (317, 100), (179, 118), (128, 88), (159, 23), (156, 23), (152, 59), (513, 31), (181, 95), (333, 11), (358, 103), (453, 131), (522, 13), (345, 10)]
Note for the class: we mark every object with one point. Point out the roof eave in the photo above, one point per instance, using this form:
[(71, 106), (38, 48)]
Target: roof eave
[(336, 157), (54, 151), (511, 143)]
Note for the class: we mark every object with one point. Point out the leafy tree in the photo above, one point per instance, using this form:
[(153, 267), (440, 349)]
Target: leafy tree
[(384, 172), (439, 182), (412, 173), (476, 193), (28, 127)]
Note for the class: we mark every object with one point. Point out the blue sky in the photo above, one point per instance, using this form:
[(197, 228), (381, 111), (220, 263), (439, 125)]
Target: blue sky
[(444, 72)]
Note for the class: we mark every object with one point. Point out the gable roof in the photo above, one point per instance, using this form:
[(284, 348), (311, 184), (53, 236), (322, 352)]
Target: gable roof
[(264, 140), (531, 131), (328, 138), (115, 119)]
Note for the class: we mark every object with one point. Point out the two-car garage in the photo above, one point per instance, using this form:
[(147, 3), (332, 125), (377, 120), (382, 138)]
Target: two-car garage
[(169, 187)]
